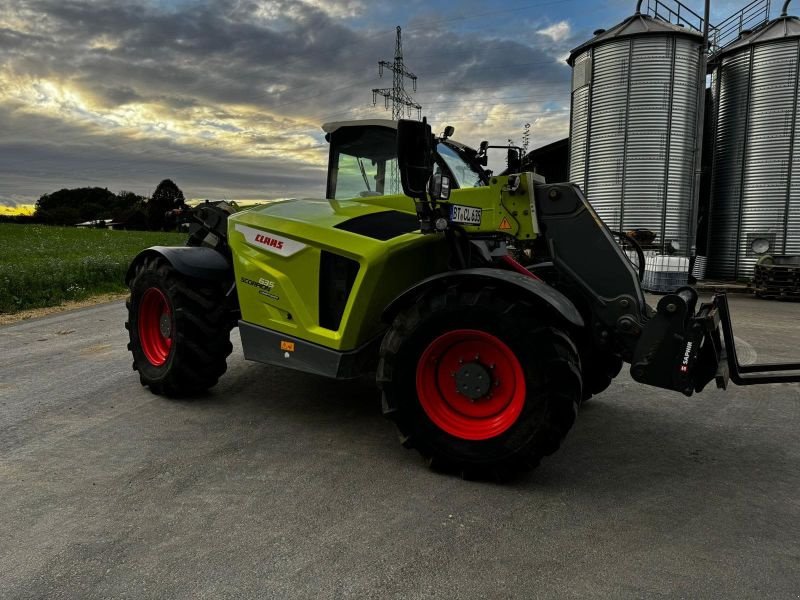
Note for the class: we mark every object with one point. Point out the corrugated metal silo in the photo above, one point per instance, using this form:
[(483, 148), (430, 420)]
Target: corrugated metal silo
[(756, 178), (634, 120)]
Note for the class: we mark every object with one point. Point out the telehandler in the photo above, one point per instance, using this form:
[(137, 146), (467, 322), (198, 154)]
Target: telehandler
[(481, 361)]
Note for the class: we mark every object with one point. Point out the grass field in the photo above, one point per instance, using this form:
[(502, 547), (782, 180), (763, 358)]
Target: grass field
[(44, 266)]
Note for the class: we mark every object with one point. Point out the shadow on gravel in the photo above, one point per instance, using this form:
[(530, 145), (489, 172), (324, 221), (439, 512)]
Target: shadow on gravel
[(621, 450), (617, 443)]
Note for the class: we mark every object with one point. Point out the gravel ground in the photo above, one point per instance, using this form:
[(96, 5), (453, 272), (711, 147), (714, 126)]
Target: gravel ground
[(284, 485)]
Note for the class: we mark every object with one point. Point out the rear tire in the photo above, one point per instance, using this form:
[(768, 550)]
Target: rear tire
[(533, 367), (179, 330)]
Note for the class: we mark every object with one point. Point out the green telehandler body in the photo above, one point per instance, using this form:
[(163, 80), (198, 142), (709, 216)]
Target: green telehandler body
[(488, 307)]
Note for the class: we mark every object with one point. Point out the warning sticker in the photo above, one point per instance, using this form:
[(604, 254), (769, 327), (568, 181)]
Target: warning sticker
[(287, 346), (505, 225)]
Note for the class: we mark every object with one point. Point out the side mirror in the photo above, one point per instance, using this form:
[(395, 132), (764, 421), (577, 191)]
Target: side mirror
[(439, 187), (414, 156), (448, 132), (483, 157)]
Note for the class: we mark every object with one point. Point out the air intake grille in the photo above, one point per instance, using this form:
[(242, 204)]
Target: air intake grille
[(336, 277)]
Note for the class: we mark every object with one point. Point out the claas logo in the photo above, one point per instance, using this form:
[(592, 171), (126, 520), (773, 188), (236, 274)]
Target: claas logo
[(268, 241)]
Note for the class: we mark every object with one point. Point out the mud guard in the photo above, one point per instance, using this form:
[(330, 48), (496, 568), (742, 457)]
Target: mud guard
[(193, 261), (538, 291)]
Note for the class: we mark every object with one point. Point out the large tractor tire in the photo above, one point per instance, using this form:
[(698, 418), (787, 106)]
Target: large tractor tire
[(479, 382), (179, 330)]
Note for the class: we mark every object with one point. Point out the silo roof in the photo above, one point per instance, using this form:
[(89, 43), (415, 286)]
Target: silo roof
[(781, 28), (635, 25)]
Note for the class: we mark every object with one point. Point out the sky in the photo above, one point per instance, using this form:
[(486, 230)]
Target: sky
[(227, 97)]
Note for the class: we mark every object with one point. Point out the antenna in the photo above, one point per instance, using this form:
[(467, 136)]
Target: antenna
[(396, 95)]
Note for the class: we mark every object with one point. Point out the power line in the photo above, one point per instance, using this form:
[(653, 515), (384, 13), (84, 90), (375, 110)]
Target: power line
[(465, 117), (501, 99), (326, 117), (432, 24), (435, 93), (462, 117)]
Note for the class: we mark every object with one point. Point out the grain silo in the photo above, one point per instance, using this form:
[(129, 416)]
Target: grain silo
[(755, 195), (636, 101)]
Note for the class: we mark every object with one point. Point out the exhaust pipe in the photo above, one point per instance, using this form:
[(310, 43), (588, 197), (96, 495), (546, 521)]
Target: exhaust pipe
[(785, 11), (639, 7)]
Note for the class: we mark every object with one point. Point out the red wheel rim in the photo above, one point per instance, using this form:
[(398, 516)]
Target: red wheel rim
[(155, 326), (444, 363)]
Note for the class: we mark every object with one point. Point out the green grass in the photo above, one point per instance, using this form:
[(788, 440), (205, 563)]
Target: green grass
[(44, 266)]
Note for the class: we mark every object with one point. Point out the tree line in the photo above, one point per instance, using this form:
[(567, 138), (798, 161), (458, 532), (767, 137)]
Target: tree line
[(126, 210)]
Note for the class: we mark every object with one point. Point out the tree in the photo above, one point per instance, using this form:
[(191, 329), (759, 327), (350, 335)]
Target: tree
[(130, 211), (69, 207), (127, 201), (167, 196)]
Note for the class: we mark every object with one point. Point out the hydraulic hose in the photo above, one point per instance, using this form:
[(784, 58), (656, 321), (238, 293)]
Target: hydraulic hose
[(636, 248)]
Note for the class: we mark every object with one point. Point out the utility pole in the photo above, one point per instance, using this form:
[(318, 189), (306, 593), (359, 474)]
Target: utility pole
[(396, 95)]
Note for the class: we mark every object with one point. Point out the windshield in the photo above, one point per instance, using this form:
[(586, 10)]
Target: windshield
[(466, 175), (363, 163)]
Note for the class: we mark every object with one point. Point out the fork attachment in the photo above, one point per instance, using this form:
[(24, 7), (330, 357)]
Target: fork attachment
[(682, 350)]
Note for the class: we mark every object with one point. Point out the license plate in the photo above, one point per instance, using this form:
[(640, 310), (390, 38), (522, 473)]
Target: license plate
[(465, 215)]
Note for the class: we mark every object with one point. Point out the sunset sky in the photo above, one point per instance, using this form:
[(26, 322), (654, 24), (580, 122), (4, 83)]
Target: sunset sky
[(226, 97)]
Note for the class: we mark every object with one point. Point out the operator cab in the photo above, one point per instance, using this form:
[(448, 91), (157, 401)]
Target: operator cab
[(363, 160)]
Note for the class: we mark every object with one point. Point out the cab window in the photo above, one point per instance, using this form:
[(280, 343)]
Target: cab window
[(466, 175), (362, 176)]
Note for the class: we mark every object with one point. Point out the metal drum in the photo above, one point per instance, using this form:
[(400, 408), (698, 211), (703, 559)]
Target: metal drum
[(755, 195)]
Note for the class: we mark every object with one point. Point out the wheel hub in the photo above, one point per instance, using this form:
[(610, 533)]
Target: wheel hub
[(470, 384), (165, 325), (473, 380)]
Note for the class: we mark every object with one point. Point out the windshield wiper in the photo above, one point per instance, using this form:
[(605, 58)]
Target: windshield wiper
[(364, 174)]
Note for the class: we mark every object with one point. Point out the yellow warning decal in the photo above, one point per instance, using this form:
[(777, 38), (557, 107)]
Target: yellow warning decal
[(504, 225), (287, 346)]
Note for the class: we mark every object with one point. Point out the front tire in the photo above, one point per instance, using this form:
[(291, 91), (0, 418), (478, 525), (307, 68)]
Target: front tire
[(179, 330), (479, 383)]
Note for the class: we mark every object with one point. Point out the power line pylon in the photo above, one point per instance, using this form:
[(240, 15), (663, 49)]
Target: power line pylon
[(396, 95)]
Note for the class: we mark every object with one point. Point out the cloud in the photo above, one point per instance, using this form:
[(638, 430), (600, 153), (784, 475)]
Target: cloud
[(228, 96), (276, 10), (557, 32)]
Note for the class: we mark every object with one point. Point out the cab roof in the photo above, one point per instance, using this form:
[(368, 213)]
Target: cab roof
[(331, 127)]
